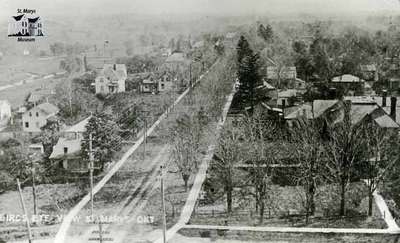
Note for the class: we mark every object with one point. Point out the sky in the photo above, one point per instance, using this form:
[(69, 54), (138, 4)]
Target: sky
[(85, 7)]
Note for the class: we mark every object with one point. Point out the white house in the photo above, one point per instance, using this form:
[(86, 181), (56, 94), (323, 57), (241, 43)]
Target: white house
[(5, 112), (68, 148), (111, 79), (34, 119), (21, 25)]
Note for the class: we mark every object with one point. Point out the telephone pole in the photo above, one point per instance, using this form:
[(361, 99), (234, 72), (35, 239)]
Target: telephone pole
[(100, 232), (33, 189), (33, 161), (145, 137), (163, 205), (28, 224), (91, 168)]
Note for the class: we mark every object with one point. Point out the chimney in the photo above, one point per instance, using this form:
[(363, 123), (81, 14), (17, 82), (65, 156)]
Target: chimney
[(384, 94), (393, 103)]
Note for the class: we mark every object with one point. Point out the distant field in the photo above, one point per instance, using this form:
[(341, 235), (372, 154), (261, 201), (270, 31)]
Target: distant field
[(14, 69), (16, 95)]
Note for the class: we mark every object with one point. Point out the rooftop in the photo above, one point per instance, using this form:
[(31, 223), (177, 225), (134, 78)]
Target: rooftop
[(73, 145), (47, 108), (79, 127), (176, 57), (347, 78)]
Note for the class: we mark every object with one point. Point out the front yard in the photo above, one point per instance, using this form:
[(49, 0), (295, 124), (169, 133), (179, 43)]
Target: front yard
[(285, 209)]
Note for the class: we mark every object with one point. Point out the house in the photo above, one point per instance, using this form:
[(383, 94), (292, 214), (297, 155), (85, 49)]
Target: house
[(350, 84), (21, 25), (332, 111), (165, 82), (176, 62), (5, 113), (39, 96), (149, 85), (111, 79), (67, 151), (369, 72), (286, 97), (274, 73), (37, 117), (284, 77), (155, 83)]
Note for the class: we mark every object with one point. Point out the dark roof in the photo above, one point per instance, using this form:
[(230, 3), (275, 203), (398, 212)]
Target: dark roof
[(33, 20), (19, 17)]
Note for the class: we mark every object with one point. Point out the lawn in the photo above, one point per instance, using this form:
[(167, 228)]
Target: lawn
[(284, 208)]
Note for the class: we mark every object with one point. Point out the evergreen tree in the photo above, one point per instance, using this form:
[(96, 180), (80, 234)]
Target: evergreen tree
[(105, 138), (243, 49), (248, 73)]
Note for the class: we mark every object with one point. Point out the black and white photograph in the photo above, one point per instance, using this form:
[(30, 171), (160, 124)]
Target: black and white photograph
[(200, 121)]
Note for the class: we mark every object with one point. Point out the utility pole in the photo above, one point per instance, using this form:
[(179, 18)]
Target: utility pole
[(163, 205), (145, 137), (33, 160), (91, 168), (100, 232), (33, 189), (28, 224)]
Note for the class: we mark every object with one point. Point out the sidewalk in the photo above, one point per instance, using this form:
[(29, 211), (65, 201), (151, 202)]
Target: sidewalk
[(294, 229), (62, 233), (200, 177)]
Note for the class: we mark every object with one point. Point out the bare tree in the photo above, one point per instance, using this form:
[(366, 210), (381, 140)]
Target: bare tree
[(229, 153), (308, 152), (380, 158), (262, 152), (185, 136), (344, 149)]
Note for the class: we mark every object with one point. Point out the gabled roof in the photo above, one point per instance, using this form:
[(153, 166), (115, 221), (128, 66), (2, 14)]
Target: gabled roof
[(347, 78), (386, 121), (38, 95), (18, 17), (359, 112), (112, 74), (73, 145), (79, 127), (320, 106), (298, 111), (33, 20), (47, 108)]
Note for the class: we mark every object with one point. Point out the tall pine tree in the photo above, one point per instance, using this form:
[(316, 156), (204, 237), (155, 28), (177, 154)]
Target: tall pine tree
[(248, 73)]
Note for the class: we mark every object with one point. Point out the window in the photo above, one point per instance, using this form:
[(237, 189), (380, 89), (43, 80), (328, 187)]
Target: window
[(65, 150), (162, 86), (37, 114), (30, 113), (26, 124)]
